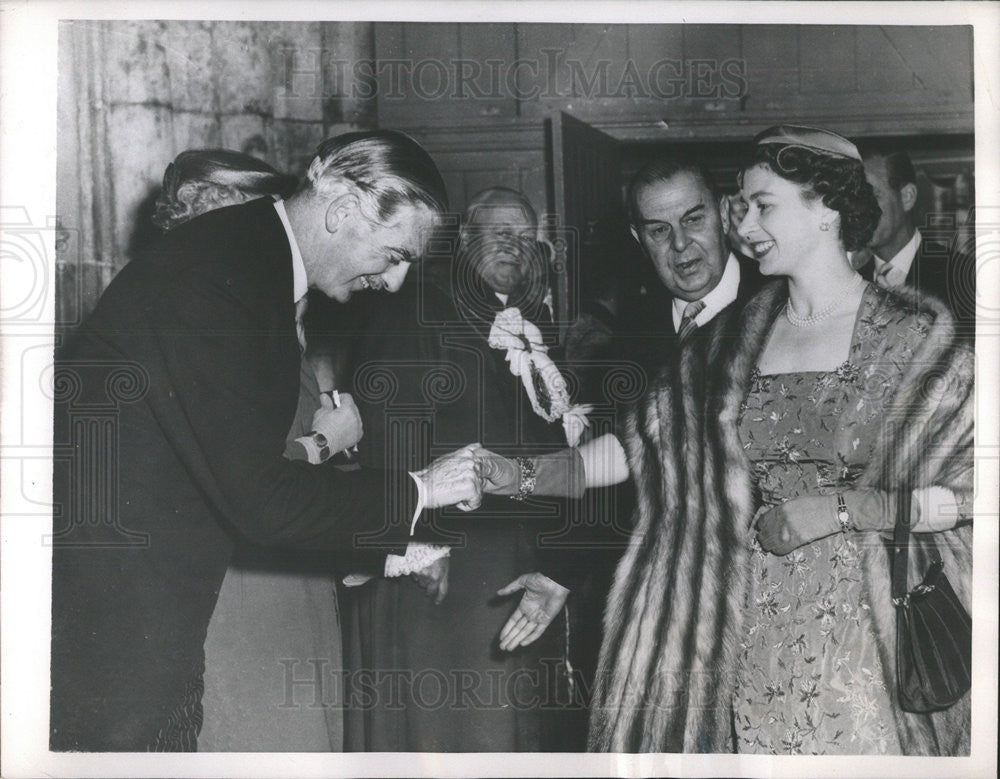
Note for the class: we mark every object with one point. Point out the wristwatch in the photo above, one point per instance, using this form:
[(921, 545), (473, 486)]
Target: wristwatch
[(843, 515), (322, 444)]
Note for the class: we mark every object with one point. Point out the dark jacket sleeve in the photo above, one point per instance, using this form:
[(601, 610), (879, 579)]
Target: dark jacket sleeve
[(233, 383)]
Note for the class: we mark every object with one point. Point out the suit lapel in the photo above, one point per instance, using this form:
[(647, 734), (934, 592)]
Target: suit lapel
[(929, 271)]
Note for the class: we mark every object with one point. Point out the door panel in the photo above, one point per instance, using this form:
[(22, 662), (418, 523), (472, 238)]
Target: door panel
[(586, 189)]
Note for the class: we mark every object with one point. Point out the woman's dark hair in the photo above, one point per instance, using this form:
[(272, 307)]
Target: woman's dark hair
[(201, 180), (838, 181)]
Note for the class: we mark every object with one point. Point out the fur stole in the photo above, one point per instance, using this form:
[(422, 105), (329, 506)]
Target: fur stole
[(674, 614)]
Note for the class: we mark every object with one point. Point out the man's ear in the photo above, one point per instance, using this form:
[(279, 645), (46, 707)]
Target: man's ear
[(724, 213), (340, 209), (908, 194)]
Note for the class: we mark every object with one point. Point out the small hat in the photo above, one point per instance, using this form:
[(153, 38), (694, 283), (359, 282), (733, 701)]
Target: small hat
[(811, 138)]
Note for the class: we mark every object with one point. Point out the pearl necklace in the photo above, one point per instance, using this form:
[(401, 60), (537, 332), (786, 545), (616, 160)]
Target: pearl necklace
[(804, 321)]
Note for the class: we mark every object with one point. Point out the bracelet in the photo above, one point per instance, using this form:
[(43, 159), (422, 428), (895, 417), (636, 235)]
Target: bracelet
[(526, 486), (843, 515)]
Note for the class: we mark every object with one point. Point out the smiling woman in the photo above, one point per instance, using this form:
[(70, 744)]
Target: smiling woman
[(752, 610), (814, 433), (811, 399), (807, 207)]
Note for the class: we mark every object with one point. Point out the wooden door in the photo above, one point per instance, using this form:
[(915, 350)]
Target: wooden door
[(586, 188)]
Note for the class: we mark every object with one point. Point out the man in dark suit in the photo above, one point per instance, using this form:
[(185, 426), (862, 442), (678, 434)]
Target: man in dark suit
[(173, 403), (681, 223), (901, 255)]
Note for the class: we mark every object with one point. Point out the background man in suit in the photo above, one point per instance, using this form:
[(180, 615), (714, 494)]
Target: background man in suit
[(901, 255), (681, 222), (195, 347)]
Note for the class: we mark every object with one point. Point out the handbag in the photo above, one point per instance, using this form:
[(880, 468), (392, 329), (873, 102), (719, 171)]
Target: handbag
[(933, 629)]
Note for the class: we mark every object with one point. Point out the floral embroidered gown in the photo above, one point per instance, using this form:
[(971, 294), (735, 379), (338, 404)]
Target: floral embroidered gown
[(809, 679)]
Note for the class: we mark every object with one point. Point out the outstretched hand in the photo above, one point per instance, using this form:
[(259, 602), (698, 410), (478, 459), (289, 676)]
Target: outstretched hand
[(454, 480), (542, 601)]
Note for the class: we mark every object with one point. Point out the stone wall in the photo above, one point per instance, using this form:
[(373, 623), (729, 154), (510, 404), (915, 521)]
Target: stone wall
[(132, 95)]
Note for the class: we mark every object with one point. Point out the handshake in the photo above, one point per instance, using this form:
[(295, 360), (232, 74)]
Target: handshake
[(464, 476)]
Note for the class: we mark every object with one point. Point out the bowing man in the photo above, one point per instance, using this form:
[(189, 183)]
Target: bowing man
[(192, 358)]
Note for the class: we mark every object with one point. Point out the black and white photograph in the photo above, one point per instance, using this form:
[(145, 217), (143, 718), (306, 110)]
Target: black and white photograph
[(500, 389)]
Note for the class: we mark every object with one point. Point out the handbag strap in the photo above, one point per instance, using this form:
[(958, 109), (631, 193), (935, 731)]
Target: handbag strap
[(901, 546)]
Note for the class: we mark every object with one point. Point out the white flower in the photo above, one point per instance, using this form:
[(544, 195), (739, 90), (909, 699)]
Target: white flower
[(511, 331), (529, 360)]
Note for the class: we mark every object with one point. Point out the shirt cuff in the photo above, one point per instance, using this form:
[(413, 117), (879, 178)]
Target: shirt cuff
[(418, 556), (314, 454), (420, 503)]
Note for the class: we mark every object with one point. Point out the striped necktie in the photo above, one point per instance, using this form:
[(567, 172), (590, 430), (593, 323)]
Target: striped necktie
[(300, 329), (688, 326)]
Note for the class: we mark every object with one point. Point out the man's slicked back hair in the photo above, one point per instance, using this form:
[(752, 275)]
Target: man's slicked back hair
[(389, 168)]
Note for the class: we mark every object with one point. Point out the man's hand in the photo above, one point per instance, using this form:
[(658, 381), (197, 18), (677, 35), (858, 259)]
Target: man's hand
[(542, 601), (434, 579), (501, 476), (341, 426), (454, 480)]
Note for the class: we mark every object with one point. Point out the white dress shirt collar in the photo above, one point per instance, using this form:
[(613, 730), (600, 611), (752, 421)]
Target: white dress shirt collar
[(300, 285), (901, 263), (717, 299)]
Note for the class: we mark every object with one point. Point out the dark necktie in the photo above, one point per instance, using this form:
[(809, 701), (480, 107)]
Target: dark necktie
[(688, 326)]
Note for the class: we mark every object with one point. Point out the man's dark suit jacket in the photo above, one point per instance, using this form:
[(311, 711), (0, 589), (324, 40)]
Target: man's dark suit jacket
[(649, 336), (173, 403), (948, 273)]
